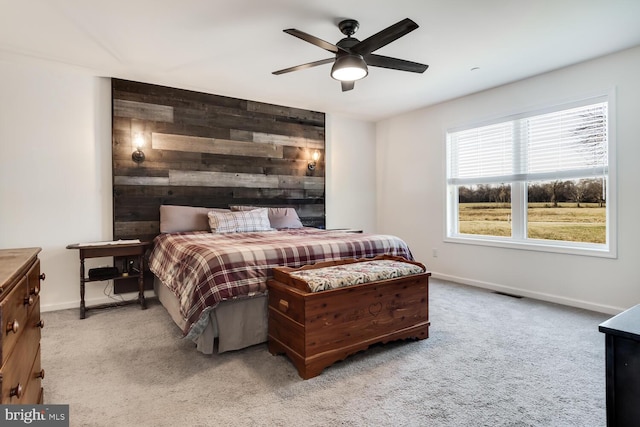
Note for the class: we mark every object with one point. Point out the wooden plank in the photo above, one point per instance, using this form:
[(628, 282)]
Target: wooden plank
[(125, 128), (141, 180), (317, 222), (137, 195), (267, 194), (149, 210), (288, 170), (128, 170), (304, 182), (255, 122), (164, 167), (123, 152), (302, 153), (241, 135), (121, 124), (222, 179), (127, 89), (197, 144), (124, 193), (306, 116), (269, 138), (312, 211), (136, 228), (142, 111)]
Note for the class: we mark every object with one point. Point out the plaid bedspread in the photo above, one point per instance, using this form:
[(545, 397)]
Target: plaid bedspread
[(203, 269)]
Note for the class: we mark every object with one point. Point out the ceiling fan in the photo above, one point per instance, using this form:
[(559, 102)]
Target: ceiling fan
[(352, 56)]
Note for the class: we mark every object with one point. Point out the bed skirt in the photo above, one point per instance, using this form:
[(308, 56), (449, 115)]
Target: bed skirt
[(235, 323)]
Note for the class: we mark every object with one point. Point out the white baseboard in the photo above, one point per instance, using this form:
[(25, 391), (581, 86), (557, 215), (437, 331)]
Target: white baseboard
[(571, 302), (94, 301)]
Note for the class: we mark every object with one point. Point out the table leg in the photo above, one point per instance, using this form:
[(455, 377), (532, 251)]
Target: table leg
[(82, 307), (143, 303)]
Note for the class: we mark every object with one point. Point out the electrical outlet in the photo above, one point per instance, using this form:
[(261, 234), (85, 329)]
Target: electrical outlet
[(435, 252)]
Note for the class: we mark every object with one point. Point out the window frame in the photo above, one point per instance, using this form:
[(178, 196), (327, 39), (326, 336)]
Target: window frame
[(518, 238)]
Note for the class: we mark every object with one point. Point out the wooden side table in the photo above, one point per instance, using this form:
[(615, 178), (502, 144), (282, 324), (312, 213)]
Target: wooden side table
[(111, 249)]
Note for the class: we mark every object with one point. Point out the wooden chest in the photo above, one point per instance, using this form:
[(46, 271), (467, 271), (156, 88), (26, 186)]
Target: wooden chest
[(20, 370), (317, 329)]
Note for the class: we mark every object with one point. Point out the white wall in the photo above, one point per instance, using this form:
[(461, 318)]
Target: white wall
[(55, 169), (350, 179), (411, 190), (55, 172)]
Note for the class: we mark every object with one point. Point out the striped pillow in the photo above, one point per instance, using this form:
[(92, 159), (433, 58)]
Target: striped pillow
[(243, 221)]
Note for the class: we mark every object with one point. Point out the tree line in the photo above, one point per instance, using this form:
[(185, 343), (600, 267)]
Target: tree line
[(554, 192)]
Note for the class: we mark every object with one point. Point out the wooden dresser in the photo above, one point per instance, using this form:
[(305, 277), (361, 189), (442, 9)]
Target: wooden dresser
[(21, 374)]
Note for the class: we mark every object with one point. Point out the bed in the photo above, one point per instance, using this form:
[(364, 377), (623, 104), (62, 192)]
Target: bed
[(213, 282)]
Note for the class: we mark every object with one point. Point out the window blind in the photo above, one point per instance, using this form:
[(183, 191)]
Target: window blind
[(566, 144)]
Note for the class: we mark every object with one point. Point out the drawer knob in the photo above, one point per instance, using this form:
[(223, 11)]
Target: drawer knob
[(40, 374), (35, 290), (28, 301), (16, 391), (42, 276), (40, 324), (283, 305), (13, 327)]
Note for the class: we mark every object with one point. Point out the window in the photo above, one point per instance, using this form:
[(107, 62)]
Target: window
[(538, 180)]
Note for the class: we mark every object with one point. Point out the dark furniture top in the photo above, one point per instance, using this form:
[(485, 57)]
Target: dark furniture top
[(93, 250), (625, 324)]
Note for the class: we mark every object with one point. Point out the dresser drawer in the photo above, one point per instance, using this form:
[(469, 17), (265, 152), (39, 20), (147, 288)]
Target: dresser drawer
[(30, 338), (23, 386), (33, 394), (16, 371), (13, 317)]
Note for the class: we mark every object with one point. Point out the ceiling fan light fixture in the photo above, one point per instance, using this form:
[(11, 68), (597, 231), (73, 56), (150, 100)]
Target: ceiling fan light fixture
[(349, 68)]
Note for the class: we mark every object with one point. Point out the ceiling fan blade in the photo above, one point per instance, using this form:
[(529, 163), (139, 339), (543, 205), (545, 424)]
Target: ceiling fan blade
[(303, 66), (314, 40), (394, 63), (385, 37), (347, 86)]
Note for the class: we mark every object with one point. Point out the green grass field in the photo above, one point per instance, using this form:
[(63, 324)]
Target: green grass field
[(565, 222)]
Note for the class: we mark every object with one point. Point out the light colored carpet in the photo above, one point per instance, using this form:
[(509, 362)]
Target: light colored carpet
[(491, 360)]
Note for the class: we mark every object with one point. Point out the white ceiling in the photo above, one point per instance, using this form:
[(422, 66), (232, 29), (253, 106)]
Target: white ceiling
[(231, 47)]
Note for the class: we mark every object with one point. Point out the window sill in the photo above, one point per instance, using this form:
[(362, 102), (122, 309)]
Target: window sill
[(600, 251)]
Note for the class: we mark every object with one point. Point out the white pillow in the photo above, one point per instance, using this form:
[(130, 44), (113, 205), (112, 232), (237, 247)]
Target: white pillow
[(243, 221)]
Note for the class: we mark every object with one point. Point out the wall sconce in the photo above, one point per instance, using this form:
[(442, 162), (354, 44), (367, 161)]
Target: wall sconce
[(138, 141), (314, 159)]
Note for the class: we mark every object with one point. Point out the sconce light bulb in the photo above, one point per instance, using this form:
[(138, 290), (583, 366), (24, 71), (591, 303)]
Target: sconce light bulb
[(315, 156), (138, 141)]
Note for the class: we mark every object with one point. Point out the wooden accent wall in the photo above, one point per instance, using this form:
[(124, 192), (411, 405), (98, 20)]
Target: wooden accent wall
[(213, 151)]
